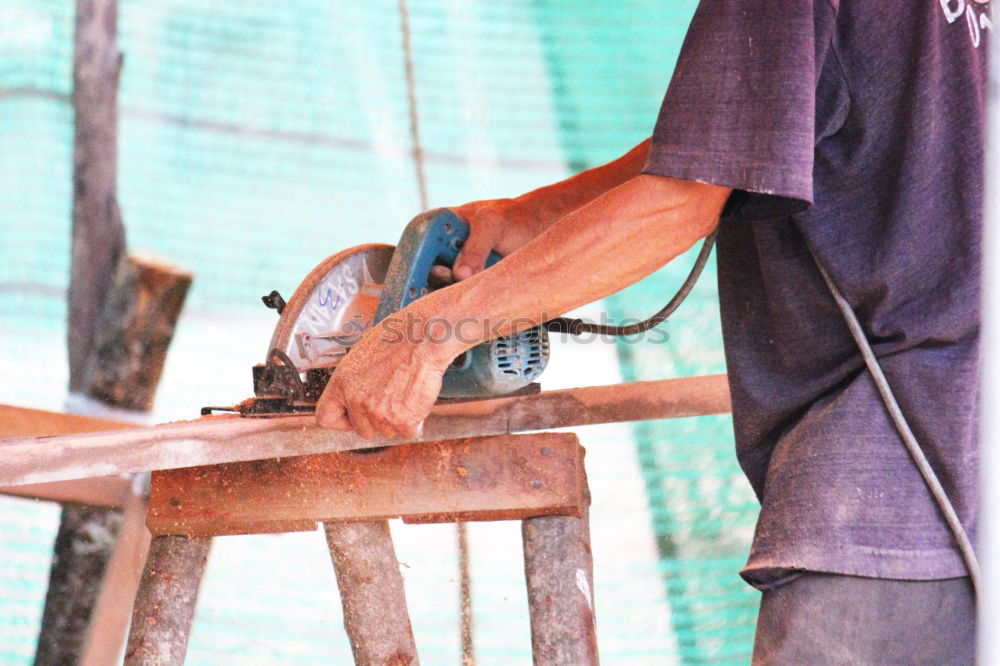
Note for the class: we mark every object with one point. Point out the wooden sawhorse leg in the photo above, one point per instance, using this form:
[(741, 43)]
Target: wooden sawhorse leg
[(371, 591), (164, 606), (559, 571)]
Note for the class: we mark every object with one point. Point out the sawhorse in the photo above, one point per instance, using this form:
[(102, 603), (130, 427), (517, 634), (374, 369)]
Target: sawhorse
[(536, 478)]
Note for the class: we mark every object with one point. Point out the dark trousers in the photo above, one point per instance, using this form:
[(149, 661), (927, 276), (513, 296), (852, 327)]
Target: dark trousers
[(831, 619)]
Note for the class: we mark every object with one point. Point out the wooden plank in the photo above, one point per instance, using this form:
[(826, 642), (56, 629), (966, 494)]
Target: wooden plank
[(223, 439), (106, 491), (490, 478), (110, 618), (111, 491), (25, 422), (371, 591)]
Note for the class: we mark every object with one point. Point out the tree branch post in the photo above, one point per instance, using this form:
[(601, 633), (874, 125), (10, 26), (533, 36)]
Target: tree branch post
[(122, 312), (371, 591), (168, 594), (559, 571)]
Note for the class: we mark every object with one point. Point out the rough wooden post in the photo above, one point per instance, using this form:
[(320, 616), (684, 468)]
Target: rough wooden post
[(86, 534), (559, 571), (371, 591), (128, 354), (164, 607), (83, 544), (98, 234), (86, 538), (137, 324)]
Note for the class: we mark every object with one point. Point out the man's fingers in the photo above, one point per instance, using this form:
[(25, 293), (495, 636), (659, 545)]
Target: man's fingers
[(440, 276), (472, 258), (361, 424), (384, 426), (406, 428), (332, 416), (331, 410), (410, 430)]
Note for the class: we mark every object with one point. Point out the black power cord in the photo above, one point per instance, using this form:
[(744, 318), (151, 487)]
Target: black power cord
[(581, 327)]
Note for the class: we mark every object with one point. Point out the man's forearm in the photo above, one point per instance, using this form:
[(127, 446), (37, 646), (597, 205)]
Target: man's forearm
[(506, 225), (387, 385), (552, 202), (614, 240)]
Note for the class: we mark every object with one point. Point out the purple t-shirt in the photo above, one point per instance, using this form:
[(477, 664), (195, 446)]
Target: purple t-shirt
[(856, 128)]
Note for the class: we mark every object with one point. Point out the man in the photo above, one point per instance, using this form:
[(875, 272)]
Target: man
[(852, 131)]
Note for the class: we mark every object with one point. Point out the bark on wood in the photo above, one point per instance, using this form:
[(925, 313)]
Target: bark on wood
[(488, 478), (123, 369), (221, 439), (98, 235), (559, 571), (85, 539), (130, 346), (371, 591), (164, 608)]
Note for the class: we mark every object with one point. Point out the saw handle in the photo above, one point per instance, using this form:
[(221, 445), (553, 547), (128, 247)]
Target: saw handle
[(498, 367), (431, 238)]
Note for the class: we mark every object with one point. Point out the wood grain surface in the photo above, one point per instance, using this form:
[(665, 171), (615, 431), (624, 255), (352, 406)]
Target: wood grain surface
[(503, 477), (226, 438)]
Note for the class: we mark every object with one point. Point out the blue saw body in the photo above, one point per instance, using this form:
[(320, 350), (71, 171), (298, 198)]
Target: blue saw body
[(493, 368)]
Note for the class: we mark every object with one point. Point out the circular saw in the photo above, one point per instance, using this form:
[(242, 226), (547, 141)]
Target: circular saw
[(352, 290)]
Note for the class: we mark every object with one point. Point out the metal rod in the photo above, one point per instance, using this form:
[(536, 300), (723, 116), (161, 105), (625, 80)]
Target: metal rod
[(465, 596)]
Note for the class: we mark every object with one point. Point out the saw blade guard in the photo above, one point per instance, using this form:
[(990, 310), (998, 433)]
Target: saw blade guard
[(497, 367), (335, 303)]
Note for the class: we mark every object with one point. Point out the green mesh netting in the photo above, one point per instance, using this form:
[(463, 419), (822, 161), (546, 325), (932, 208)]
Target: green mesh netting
[(258, 137)]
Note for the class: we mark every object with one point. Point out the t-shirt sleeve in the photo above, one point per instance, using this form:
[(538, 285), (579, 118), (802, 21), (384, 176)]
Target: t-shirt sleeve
[(740, 109)]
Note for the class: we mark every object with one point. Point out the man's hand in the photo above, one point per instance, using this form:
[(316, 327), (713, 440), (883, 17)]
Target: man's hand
[(501, 225), (386, 384)]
